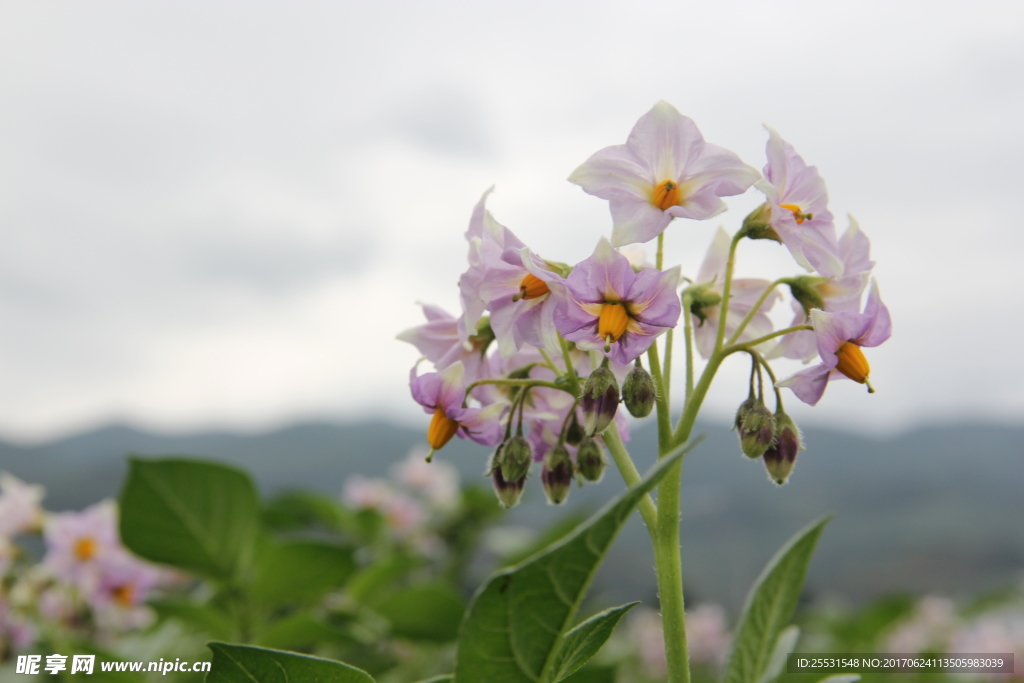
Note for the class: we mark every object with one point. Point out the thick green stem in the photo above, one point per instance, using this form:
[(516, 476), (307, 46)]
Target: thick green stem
[(570, 371), (661, 402), (518, 383), (669, 567), (630, 474), (688, 332)]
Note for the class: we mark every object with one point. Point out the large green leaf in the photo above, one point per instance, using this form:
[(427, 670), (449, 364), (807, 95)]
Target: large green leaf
[(199, 516), (247, 664), (428, 611), (583, 642), (296, 572), (770, 605), (515, 623)]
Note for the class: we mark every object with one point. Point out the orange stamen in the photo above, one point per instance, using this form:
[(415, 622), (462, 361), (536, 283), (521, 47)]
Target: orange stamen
[(612, 323), (124, 595), (852, 363), (532, 287), (85, 548), (667, 195), (797, 213), (441, 430)]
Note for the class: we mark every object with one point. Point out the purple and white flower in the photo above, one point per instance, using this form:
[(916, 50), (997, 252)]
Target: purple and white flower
[(612, 308), (440, 342), (665, 170), (442, 393), (836, 293), (798, 207), (840, 337), (19, 506)]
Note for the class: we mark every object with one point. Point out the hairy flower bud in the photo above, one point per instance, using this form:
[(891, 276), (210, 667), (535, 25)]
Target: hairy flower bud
[(590, 460), (780, 458), (515, 458), (756, 427), (805, 290), (638, 392), (599, 401), (508, 492), (574, 433), (702, 296), (757, 225), (556, 476)]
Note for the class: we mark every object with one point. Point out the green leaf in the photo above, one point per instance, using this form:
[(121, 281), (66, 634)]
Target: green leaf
[(304, 509), (430, 611), (783, 646), (516, 621), (841, 678), (300, 632), (247, 664), (770, 605), (298, 572), (583, 642), (447, 678), (203, 618), (198, 516)]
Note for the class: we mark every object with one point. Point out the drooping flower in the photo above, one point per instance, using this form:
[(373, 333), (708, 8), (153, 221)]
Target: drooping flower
[(840, 337), (119, 599), (19, 505), (442, 394), (440, 342), (706, 307), (833, 294), (612, 308), (665, 170), (797, 207)]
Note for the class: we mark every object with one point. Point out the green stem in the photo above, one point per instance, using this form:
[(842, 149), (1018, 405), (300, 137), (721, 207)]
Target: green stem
[(660, 401), (667, 376), (548, 362), (528, 383), (669, 567), (688, 332), (630, 474), (761, 340), (723, 309), (753, 311), (659, 257), (570, 371)]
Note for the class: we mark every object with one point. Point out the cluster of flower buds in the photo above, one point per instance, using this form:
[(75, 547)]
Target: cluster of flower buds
[(548, 346)]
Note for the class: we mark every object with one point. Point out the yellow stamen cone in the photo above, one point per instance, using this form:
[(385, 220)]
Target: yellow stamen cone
[(612, 322), (441, 430), (85, 548), (532, 287), (667, 195), (853, 364), (797, 213)]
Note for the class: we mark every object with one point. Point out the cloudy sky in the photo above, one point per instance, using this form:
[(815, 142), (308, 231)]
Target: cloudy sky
[(220, 214)]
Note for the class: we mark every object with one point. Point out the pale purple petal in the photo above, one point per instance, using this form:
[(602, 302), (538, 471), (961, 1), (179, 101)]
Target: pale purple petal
[(614, 171), (879, 327), (436, 337), (632, 345), (808, 384), (653, 299), (453, 388), (835, 329), (703, 203), (605, 276), (426, 389), (715, 260), (666, 142), (482, 425), (636, 220)]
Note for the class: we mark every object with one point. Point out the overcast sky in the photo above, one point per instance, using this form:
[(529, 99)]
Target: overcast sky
[(220, 214)]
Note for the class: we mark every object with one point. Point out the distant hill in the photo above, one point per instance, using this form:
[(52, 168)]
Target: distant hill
[(938, 509)]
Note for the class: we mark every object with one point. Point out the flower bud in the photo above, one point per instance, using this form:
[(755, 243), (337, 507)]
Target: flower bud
[(638, 392), (780, 458), (757, 225), (701, 297), (599, 401), (590, 460), (556, 476), (805, 290), (756, 427), (508, 492), (574, 433), (515, 458)]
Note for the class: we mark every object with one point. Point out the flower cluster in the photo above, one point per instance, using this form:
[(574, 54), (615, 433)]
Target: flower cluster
[(85, 581), (534, 363)]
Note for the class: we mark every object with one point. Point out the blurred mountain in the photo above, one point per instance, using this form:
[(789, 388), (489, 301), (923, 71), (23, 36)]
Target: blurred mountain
[(937, 509)]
